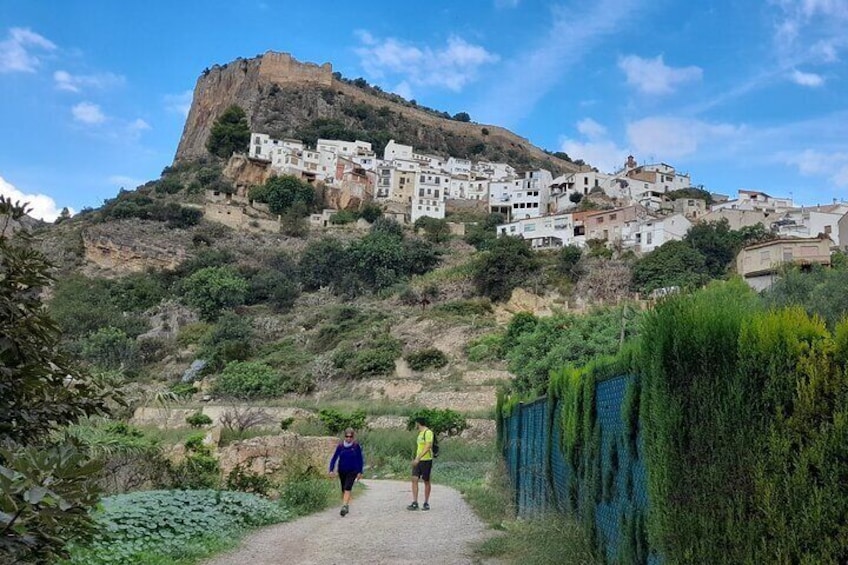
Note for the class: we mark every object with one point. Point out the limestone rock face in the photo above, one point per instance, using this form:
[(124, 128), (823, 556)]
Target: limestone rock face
[(245, 173), (283, 97), (120, 248), (271, 454)]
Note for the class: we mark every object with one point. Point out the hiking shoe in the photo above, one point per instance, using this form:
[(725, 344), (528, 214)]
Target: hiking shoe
[(344, 510), (426, 506), (413, 506)]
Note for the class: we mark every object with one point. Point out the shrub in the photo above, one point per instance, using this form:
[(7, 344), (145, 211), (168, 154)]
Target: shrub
[(426, 358), (199, 469), (306, 494), (343, 217), (466, 308), (371, 212), (336, 421), (198, 420), (250, 380), (182, 389), (377, 358), (441, 421), (241, 419), (191, 334), (168, 185), (506, 265), (212, 289), (110, 348), (243, 480), (488, 347), (228, 340)]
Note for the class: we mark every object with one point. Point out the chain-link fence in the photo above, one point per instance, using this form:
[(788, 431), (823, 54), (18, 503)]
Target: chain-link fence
[(606, 484)]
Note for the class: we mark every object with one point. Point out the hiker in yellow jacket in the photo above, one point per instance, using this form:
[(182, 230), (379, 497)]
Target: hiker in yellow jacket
[(422, 465)]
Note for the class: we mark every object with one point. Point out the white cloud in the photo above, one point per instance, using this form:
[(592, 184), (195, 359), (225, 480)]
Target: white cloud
[(88, 113), (833, 165), (596, 150), (403, 89), (451, 66), (179, 103), (76, 83), (591, 129), (572, 34), (43, 207), (806, 79), (18, 52), (653, 76), (124, 181), (811, 30), (603, 154), (660, 138), (138, 125)]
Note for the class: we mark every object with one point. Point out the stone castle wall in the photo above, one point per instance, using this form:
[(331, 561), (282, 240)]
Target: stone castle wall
[(282, 68)]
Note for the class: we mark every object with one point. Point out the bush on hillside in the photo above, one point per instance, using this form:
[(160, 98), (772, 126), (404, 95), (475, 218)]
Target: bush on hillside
[(442, 421), (507, 264), (424, 359), (336, 421)]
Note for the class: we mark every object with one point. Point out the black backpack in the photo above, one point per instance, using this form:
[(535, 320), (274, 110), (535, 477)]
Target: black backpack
[(434, 449)]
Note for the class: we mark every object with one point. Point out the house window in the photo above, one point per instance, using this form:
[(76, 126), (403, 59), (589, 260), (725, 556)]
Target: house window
[(649, 238), (586, 181), (601, 220), (613, 216), (436, 194), (420, 192)]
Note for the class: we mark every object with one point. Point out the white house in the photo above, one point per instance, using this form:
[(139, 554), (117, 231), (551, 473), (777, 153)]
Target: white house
[(646, 234), (397, 151), (811, 222), (545, 232), (455, 166)]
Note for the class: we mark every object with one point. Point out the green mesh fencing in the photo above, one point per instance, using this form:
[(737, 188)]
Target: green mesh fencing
[(613, 474)]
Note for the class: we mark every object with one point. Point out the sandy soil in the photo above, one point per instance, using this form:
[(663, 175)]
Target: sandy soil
[(378, 530)]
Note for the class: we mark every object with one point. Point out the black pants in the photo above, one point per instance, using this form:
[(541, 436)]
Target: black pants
[(347, 478)]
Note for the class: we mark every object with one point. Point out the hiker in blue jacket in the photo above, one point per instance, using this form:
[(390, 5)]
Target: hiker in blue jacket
[(349, 457)]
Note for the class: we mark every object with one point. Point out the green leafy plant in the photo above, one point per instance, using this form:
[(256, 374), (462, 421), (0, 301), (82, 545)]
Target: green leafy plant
[(199, 469), (426, 358), (242, 480), (47, 487), (336, 421), (442, 421), (198, 420), (167, 523), (213, 289)]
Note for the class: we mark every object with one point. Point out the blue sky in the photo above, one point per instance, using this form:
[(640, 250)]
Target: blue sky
[(753, 95)]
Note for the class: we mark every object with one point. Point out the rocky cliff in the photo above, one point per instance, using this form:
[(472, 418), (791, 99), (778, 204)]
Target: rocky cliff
[(285, 98)]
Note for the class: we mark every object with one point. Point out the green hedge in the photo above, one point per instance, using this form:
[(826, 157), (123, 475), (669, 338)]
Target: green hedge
[(747, 431), (743, 413)]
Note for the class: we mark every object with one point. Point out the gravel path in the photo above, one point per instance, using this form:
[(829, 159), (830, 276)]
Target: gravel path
[(378, 530)]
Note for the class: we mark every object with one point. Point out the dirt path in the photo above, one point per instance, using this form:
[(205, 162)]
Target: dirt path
[(378, 530)]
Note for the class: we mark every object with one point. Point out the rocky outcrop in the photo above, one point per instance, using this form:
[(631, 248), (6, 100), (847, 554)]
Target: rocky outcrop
[(132, 247), (277, 454), (285, 98), (245, 173)]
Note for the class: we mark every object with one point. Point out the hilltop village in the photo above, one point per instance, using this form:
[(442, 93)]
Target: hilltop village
[(638, 207)]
